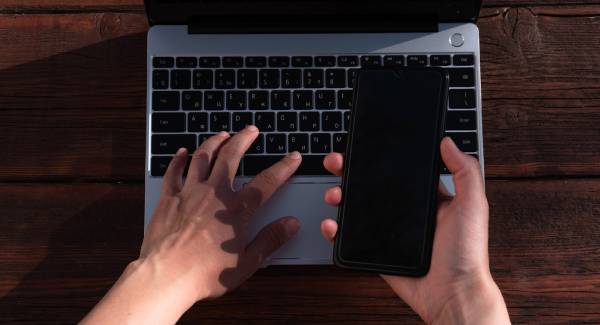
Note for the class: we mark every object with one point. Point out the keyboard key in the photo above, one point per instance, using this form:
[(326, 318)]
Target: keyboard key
[(247, 78), (313, 78), (265, 121), (256, 62), (462, 98), (352, 75), (259, 100), (287, 121), (331, 121), (203, 137), (214, 100), (416, 60), (303, 99), (191, 100), (281, 100), (335, 78), (236, 100), (325, 99), (311, 165), (276, 143), (463, 60), (186, 62), (202, 79), (439, 60), (163, 62), (165, 100), (325, 61), (393, 60), (269, 78), (466, 141), (348, 61), (309, 121), (225, 79), (346, 121), (198, 122), (339, 142), (370, 61), (181, 79), (461, 121), (298, 142), (320, 143), (345, 99), (279, 61), (239, 121), (290, 78), (258, 146), (233, 62), (160, 79), (220, 122), (302, 61), (462, 77), (159, 165), (168, 122), (210, 62), (445, 170), (169, 144)]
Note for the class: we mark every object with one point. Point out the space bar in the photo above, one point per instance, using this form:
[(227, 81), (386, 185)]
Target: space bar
[(311, 165)]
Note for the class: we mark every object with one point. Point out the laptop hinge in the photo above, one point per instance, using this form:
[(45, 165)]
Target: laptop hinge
[(289, 24)]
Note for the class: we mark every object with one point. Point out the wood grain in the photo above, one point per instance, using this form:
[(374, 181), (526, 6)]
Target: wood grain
[(108, 5), (72, 92), (64, 245)]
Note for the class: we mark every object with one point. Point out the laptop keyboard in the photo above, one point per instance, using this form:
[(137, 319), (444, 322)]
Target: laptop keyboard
[(299, 103)]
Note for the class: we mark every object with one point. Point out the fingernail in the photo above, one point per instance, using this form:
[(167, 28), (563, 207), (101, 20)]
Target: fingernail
[(252, 128), (291, 225), (224, 134), (294, 155), (181, 151)]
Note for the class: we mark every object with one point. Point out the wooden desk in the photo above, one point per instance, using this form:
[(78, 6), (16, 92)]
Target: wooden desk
[(72, 104)]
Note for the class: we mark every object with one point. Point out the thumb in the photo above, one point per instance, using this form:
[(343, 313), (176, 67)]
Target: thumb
[(466, 173), (270, 239)]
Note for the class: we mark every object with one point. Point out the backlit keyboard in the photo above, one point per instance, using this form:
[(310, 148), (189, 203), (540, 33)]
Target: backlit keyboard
[(299, 103)]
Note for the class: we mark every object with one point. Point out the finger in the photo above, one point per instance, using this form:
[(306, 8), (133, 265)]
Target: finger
[(173, 179), (334, 163), (204, 157), (228, 160), (333, 196), (270, 239), (329, 229), (262, 187), (465, 170)]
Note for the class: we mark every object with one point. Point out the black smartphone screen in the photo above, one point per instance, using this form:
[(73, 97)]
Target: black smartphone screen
[(392, 171)]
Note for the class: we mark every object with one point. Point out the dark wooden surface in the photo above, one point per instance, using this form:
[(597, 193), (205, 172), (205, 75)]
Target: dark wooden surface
[(72, 82)]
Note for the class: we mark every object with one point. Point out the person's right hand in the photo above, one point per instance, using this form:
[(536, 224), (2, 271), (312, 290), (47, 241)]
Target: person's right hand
[(459, 287)]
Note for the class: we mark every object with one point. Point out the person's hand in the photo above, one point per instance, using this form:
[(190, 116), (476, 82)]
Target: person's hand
[(196, 245), (459, 287)]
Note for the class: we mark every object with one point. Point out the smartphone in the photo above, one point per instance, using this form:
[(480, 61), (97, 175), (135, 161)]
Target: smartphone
[(392, 164)]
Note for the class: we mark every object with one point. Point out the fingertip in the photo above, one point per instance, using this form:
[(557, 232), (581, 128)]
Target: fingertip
[(334, 163), (329, 229), (292, 226), (333, 196)]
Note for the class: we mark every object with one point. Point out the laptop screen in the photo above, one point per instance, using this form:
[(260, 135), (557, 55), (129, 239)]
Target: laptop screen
[(181, 11)]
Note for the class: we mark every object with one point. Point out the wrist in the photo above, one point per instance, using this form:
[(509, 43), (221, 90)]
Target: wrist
[(477, 301), (146, 293)]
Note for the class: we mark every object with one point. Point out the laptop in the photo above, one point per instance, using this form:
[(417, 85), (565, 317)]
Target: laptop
[(288, 66)]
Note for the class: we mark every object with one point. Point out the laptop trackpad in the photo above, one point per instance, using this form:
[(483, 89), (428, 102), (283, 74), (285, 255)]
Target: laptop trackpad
[(305, 202)]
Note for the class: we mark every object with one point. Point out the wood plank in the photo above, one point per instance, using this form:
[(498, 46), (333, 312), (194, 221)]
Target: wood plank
[(108, 5), (63, 245), (72, 93)]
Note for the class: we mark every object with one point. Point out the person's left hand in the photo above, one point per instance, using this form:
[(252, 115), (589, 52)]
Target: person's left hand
[(196, 245)]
